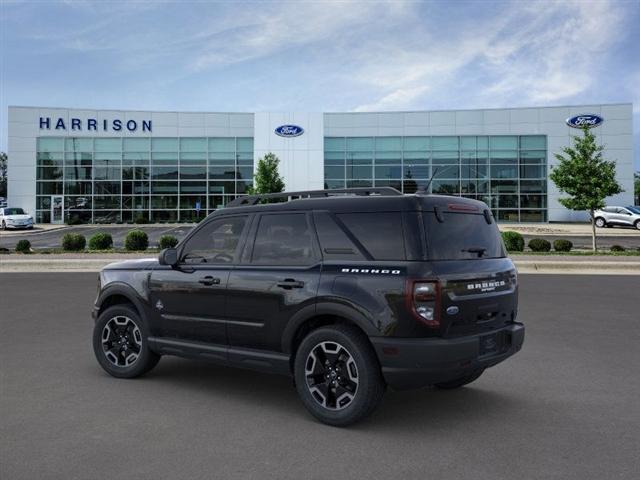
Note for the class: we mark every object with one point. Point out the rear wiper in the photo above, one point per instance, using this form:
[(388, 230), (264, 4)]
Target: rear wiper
[(479, 250)]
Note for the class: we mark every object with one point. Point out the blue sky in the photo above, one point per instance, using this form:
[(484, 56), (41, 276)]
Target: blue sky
[(318, 56)]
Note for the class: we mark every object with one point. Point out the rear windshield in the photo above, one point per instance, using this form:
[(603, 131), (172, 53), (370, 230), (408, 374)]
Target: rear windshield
[(462, 236)]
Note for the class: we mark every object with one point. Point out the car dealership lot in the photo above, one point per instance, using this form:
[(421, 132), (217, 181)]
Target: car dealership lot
[(565, 407)]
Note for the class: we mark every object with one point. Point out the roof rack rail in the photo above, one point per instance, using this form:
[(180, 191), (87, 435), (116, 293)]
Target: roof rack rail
[(247, 200)]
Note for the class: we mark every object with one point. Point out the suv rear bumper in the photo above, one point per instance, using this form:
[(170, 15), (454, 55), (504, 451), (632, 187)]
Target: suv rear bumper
[(413, 363)]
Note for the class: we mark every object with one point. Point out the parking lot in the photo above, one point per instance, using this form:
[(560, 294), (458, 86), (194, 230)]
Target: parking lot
[(565, 407)]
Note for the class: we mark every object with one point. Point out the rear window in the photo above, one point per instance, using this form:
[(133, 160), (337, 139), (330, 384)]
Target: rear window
[(462, 236), (379, 233)]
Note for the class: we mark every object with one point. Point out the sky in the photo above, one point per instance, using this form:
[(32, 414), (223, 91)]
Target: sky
[(318, 56)]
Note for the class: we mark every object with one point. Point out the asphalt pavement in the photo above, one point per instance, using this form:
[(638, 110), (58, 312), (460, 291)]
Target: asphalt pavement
[(565, 407)]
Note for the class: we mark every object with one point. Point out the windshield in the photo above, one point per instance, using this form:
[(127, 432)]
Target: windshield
[(634, 209), (462, 236), (13, 211)]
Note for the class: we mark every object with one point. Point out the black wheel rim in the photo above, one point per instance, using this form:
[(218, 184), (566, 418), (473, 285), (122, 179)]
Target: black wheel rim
[(121, 341), (332, 375)]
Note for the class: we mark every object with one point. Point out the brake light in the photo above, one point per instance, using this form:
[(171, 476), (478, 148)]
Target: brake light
[(423, 298), (462, 207)]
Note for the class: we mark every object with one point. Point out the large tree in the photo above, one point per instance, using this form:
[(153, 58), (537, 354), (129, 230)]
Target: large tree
[(267, 179), (585, 177), (3, 174)]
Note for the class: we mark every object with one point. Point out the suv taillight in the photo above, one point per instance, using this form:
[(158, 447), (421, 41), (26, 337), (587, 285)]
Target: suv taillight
[(423, 300)]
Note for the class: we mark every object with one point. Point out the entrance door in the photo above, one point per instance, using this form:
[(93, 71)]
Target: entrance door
[(57, 209)]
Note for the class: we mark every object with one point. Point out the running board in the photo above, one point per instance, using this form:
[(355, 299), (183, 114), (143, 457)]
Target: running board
[(261, 360)]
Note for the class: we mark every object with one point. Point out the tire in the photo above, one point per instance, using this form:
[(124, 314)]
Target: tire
[(4, 225), (348, 351), (600, 222), (637, 224), (460, 382), (128, 333)]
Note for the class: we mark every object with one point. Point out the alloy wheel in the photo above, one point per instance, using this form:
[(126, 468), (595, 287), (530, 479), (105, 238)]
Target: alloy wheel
[(332, 375), (121, 341)]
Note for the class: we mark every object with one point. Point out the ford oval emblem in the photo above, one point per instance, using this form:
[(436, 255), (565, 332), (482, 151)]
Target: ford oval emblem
[(587, 120), (452, 310), (289, 131)]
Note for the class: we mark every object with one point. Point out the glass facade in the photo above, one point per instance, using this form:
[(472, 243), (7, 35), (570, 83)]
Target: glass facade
[(109, 180), (507, 172)]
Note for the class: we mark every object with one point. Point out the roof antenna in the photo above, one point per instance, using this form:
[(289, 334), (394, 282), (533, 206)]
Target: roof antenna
[(425, 189)]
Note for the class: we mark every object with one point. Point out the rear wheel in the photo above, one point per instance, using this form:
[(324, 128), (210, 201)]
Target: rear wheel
[(4, 225), (120, 343), (338, 376), (600, 223), (459, 382), (637, 224)]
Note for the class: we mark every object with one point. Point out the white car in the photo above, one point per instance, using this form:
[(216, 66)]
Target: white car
[(15, 218), (622, 216)]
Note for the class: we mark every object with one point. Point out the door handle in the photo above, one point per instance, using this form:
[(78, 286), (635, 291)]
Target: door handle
[(289, 283), (209, 280)]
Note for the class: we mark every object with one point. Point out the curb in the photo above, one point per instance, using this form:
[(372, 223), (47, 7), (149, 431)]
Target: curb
[(601, 267)]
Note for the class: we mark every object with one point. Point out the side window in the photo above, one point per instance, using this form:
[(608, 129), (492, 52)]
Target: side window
[(216, 242), (381, 233), (284, 239), (335, 243)]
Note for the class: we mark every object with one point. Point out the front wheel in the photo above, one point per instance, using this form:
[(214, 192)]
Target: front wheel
[(459, 382), (120, 343), (4, 225), (637, 224), (338, 376), (600, 223)]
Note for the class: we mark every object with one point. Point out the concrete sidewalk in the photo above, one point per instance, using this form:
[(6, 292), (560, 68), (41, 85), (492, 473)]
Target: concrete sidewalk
[(607, 265), (567, 229)]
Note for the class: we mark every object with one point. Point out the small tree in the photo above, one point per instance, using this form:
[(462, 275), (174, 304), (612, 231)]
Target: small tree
[(585, 176), (3, 174), (267, 179), (636, 187)]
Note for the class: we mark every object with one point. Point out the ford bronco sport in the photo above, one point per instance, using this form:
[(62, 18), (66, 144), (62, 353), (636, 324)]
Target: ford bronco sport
[(348, 291)]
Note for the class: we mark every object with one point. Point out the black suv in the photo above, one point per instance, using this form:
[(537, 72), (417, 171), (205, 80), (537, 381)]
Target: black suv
[(348, 291)]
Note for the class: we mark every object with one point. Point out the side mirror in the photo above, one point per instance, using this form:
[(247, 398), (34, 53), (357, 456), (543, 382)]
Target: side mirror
[(168, 256)]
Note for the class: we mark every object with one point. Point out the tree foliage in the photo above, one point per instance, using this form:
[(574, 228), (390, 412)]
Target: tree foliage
[(636, 188), (3, 174), (585, 176), (267, 179)]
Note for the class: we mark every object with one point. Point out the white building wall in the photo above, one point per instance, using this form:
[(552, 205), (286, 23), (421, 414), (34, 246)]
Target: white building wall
[(302, 157)]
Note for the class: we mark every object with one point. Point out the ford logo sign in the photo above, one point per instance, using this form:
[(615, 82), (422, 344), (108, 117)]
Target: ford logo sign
[(289, 131), (587, 120)]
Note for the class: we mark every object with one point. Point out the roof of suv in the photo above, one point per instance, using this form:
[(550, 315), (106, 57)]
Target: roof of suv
[(371, 203)]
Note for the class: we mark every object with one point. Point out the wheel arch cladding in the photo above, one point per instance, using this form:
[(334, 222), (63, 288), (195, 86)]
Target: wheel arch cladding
[(118, 295)]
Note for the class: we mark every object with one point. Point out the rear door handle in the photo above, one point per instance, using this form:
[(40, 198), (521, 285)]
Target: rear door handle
[(289, 283), (209, 280)]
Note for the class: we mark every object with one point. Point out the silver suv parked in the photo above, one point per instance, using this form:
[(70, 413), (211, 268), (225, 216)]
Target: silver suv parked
[(623, 216)]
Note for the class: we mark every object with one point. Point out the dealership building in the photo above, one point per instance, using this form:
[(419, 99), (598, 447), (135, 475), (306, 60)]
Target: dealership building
[(107, 166)]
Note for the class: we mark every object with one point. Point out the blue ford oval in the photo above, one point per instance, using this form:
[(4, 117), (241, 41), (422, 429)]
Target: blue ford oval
[(289, 131), (587, 120)]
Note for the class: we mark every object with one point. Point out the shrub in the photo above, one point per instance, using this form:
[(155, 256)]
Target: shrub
[(513, 241), (167, 241), (73, 242), (539, 245), (23, 246), (562, 245), (136, 240), (141, 220), (100, 241), (617, 248)]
